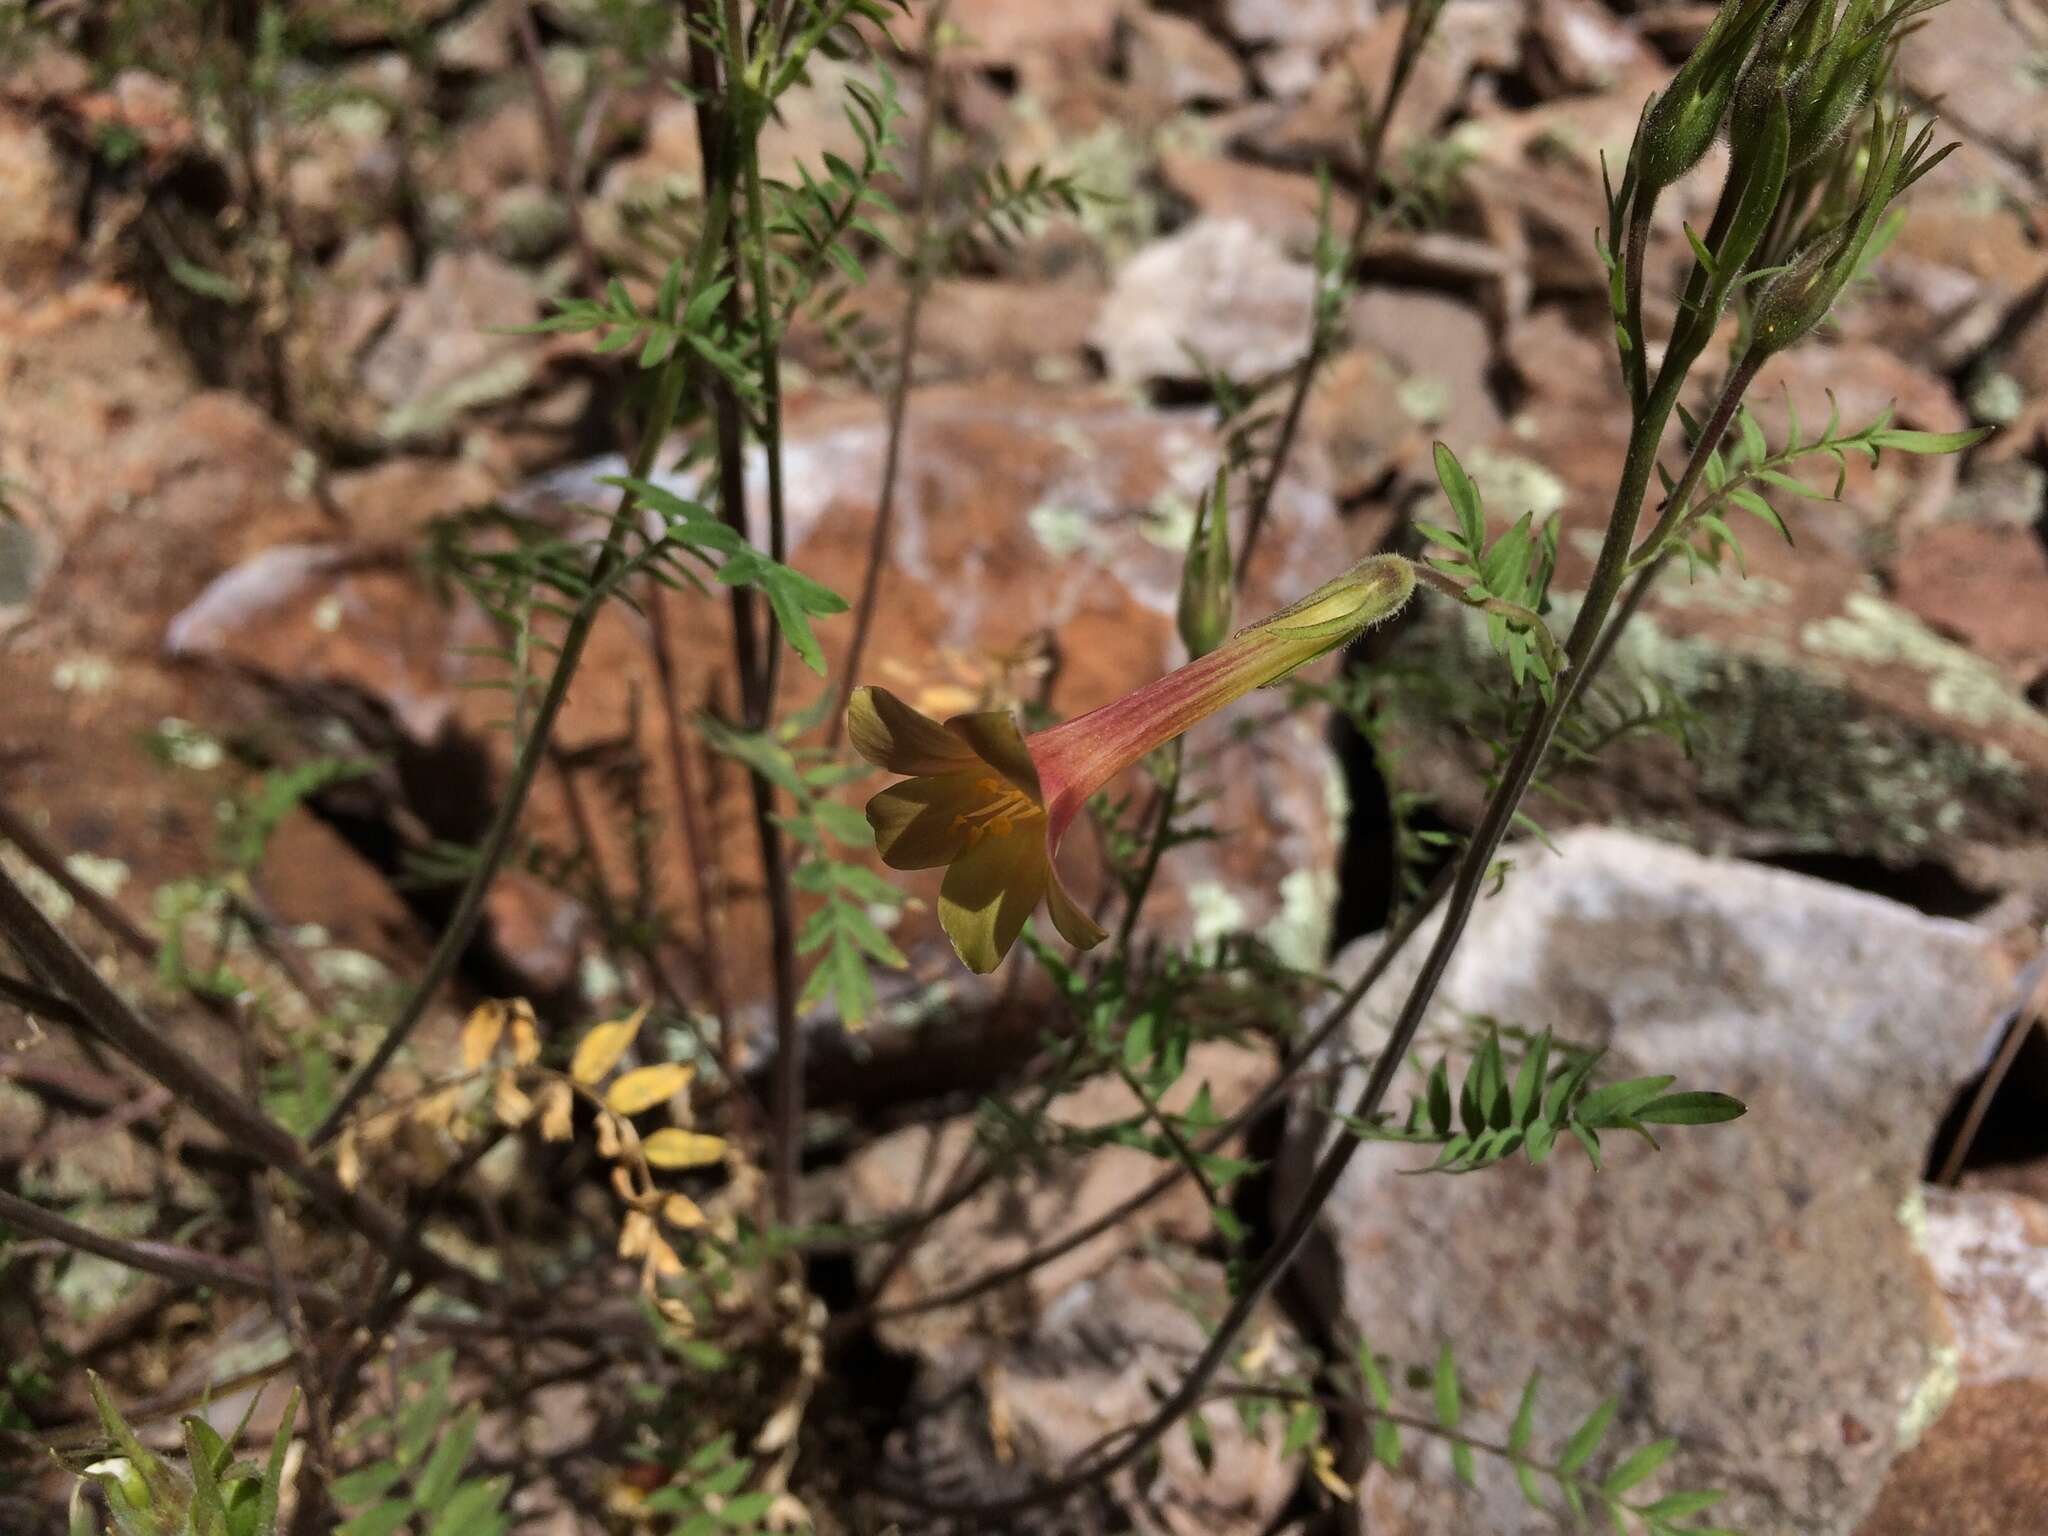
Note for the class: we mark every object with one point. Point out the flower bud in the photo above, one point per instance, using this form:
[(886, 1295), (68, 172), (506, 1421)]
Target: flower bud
[(1680, 124), (1799, 298), (1207, 587)]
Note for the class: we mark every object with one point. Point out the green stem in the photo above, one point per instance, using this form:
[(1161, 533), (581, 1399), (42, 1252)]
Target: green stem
[(1155, 848), (788, 1106), (1679, 503), (1638, 360)]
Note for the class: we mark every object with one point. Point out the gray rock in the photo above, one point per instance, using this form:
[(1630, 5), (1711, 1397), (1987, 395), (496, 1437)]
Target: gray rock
[(1981, 1468), (1309, 23), (449, 349), (1220, 287), (1753, 1290)]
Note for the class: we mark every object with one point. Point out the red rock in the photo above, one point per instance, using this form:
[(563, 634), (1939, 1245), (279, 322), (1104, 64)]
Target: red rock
[(1281, 204), (38, 197), (1588, 47), (393, 502), (448, 351), (1979, 1468), (318, 616), (1175, 59), (1985, 585), (1002, 32)]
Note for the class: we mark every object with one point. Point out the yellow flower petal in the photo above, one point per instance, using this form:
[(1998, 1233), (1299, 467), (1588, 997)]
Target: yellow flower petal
[(647, 1087), (682, 1149), (918, 822), (988, 893), (599, 1050), (997, 742), (890, 734), (1074, 924), (635, 1234)]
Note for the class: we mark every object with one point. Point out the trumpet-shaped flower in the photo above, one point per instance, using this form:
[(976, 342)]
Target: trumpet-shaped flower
[(991, 804)]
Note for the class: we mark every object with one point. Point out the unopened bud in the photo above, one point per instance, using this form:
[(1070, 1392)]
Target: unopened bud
[(1799, 298), (1681, 124), (1207, 585)]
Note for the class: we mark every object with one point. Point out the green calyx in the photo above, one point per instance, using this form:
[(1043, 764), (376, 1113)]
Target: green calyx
[(1824, 61), (1681, 124), (1799, 298)]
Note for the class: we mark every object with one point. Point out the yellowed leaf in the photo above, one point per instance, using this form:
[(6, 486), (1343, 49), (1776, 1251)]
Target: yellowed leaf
[(525, 1033), (681, 1211), (672, 1148), (1002, 1425), (781, 1427), (601, 1047), (662, 1261), (509, 1102), (609, 1142), (438, 1109), (480, 1033), (647, 1086), (1324, 1465), (557, 1111), (348, 1160), (1256, 1359), (635, 1234)]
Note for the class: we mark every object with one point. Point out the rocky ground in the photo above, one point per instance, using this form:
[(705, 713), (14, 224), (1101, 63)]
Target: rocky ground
[(220, 496)]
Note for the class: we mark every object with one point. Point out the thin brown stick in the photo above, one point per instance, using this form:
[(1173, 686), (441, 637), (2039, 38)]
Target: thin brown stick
[(1269, 1094), (109, 914), (700, 849), (188, 1266), (563, 158), (1365, 224), (111, 1017), (2027, 1018), (906, 362)]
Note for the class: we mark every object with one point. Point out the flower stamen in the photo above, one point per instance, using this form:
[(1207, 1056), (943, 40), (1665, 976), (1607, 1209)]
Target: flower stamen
[(1007, 805)]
